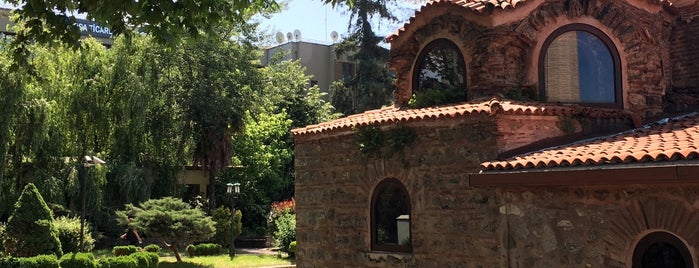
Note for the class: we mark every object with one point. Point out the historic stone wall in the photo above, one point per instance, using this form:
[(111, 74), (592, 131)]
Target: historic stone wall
[(505, 57), (456, 225), (684, 51)]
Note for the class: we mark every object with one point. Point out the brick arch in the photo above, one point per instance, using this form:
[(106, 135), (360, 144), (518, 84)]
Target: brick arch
[(452, 27), (638, 36), (653, 214)]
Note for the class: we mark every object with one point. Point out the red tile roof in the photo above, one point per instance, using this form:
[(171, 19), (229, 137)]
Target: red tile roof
[(672, 139), (479, 6), (494, 106)]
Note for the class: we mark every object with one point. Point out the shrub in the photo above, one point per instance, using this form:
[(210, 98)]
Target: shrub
[(40, 261), (117, 262), (69, 234), (146, 259), (30, 230), (125, 250), (78, 260), (286, 231), (277, 210), (152, 248), (206, 249), (222, 219), (292, 249), (9, 262)]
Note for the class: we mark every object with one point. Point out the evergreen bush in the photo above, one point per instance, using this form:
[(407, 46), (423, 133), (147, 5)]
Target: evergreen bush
[(69, 234), (39, 261), (117, 262), (206, 249), (222, 218), (30, 230), (78, 260), (125, 250), (152, 248), (141, 258)]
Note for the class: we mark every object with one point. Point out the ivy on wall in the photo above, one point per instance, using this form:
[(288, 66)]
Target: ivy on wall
[(376, 143)]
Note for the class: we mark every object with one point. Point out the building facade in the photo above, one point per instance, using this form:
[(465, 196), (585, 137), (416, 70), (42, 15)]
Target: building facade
[(569, 143)]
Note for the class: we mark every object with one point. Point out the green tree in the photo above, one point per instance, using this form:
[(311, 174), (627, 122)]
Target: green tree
[(30, 230), (371, 87), (167, 21), (170, 221)]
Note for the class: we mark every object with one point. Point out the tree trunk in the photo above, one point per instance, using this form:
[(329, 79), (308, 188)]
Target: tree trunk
[(173, 247)]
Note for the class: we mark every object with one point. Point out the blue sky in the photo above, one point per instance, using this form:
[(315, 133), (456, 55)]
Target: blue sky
[(316, 21)]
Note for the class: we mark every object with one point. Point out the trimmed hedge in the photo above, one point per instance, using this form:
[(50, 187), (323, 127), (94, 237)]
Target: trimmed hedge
[(206, 249), (78, 260), (292, 249), (125, 250), (118, 262), (146, 259), (40, 261), (152, 248)]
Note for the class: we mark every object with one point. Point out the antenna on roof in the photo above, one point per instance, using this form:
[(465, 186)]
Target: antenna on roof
[(280, 37), (334, 36), (289, 36), (297, 35)]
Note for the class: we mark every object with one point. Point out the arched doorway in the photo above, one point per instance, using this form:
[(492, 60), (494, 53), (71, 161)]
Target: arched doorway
[(661, 250)]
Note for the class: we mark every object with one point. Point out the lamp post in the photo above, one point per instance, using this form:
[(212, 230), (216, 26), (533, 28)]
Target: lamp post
[(233, 189), (88, 161)]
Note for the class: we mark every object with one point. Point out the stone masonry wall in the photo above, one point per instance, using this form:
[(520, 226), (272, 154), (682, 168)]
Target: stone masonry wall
[(684, 50), (456, 225), (498, 58)]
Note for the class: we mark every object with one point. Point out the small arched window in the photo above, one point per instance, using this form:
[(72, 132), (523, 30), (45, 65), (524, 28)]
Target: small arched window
[(580, 64), (439, 75), (661, 250), (390, 217)]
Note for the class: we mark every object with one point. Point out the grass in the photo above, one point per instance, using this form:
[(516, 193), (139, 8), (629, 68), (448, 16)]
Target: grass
[(167, 260), (223, 261)]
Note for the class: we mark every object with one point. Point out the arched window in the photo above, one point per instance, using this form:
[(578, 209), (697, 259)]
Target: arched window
[(661, 250), (580, 64), (390, 217), (439, 75)]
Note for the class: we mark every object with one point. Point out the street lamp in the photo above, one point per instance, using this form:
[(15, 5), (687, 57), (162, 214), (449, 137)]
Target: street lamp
[(233, 189), (88, 161)]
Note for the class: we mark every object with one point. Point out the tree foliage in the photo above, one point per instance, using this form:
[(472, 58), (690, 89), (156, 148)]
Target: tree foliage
[(170, 221), (30, 230), (166, 20), (371, 87)]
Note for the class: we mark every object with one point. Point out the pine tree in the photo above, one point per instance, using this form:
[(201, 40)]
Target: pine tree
[(30, 230)]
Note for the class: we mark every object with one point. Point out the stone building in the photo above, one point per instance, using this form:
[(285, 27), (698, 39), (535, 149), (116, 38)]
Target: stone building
[(525, 133)]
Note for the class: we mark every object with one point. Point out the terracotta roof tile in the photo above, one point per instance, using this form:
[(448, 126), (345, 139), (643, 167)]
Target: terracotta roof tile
[(671, 139), (478, 6), (494, 106)]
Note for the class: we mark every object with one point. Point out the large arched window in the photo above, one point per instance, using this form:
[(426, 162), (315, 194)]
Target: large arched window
[(661, 250), (580, 64), (439, 75), (390, 217)]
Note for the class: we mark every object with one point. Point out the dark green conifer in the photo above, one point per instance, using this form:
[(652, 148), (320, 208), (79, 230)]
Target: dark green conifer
[(30, 230)]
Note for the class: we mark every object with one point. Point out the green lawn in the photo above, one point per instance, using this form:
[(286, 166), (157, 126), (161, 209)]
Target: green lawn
[(223, 261)]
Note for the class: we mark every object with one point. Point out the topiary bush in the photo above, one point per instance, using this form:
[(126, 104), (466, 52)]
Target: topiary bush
[(152, 248), (206, 249), (117, 262), (40, 261), (30, 230), (78, 260), (125, 250), (146, 259), (69, 234), (142, 260)]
